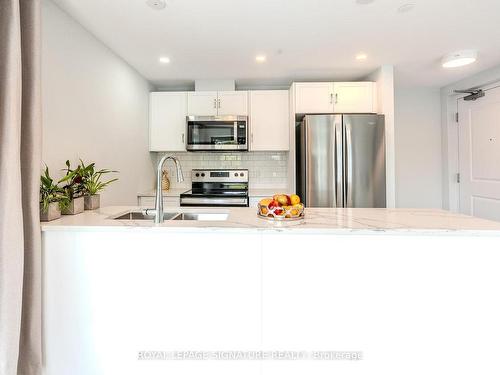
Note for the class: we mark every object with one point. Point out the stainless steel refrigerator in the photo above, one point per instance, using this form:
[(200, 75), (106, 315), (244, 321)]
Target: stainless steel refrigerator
[(341, 161)]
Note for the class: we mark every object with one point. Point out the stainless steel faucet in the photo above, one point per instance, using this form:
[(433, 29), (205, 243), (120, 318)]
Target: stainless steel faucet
[(159, 193)]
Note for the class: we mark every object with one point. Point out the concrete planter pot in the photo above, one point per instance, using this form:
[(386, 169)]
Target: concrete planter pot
[(92, 202), (76, 206), (53, 212)]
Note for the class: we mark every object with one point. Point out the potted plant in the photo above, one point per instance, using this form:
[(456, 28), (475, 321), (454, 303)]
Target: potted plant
[(52, 198), (92, 184), (73, 189)]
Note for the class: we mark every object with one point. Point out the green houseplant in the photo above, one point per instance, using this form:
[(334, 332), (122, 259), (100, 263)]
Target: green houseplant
[(73, 189), (92, 184), (52, 198)]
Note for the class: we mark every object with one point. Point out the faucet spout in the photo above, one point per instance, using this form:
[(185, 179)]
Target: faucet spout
[(159, 193)]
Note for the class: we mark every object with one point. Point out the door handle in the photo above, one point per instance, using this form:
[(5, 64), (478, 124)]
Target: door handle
[(349, 163), (339, 170), (334, 177)]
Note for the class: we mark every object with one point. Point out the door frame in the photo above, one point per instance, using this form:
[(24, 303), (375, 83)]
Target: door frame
[(449, 131)]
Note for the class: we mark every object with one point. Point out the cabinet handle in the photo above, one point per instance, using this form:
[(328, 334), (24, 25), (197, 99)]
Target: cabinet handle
[(215, 103), (182, 137), (336, 98), (331, 98), (218, 102)]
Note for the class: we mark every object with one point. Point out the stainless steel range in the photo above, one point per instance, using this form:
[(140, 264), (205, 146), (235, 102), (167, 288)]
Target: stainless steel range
[(217, 188)]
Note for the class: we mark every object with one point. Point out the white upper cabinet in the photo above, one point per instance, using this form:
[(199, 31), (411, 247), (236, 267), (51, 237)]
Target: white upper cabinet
[(202, 103), (354, 97), (313, 97), (335, 97), (167, 121), (222, 103), (232, 103), (269, 120)]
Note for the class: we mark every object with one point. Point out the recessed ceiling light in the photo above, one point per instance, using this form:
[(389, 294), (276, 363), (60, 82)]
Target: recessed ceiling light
[(260, 58), (405, 8), (156, 4), (459, 58), (164, 60), (364, 2), (361, 56)]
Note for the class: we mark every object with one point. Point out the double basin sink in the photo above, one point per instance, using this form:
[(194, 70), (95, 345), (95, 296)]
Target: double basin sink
[(199, 216)]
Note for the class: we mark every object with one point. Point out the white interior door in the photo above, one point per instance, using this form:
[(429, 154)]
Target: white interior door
[(479, 154)]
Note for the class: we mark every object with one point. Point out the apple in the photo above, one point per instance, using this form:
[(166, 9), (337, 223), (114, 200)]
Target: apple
[(275, 207), (284, 200)]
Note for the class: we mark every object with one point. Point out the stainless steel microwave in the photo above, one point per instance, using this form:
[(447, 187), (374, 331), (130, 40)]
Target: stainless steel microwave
[(217, 133)]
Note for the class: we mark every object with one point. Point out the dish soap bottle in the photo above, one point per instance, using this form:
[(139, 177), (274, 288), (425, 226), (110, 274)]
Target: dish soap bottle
[(165, 181)]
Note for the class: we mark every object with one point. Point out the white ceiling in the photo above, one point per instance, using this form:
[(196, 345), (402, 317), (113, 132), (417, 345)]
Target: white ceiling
[(303, 39)]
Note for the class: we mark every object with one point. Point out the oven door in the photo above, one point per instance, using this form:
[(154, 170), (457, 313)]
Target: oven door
[(208, 133)]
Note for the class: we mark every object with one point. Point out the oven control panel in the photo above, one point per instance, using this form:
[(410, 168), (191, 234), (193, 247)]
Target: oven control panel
[(219, 175)]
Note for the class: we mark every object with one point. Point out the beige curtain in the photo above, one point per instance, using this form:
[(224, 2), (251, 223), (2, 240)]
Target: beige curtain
[(20, 158)]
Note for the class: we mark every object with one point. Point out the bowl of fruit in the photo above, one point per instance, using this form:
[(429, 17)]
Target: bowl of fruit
[(281, 207)]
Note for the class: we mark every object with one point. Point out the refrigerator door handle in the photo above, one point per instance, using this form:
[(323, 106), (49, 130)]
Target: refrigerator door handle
[(307, 163), (338, 166), (349, 164), (334, 163)]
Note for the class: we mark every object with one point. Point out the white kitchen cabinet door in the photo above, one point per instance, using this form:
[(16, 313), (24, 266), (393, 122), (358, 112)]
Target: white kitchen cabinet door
[(167, 121), (314, 97), (354, 97), (232, 103), (269, 120), (202, 103)]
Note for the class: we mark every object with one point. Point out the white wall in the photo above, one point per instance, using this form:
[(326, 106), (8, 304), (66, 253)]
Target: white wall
[(418, 148), (95, 107)]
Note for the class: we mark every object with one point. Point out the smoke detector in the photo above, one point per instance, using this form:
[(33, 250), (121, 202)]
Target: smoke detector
[(156, 4), (459, 58)]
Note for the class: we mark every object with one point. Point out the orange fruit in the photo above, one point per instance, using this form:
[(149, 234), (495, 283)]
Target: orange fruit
[(265, 202), (295, 199)]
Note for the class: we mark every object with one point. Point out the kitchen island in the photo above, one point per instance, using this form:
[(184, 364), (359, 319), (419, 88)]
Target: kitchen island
[(348, 291)]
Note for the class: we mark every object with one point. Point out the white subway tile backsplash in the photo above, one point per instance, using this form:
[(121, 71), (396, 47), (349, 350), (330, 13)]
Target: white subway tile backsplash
[(266, 169)]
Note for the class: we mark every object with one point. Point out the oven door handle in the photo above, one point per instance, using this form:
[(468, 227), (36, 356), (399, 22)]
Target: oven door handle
[(215, 201)]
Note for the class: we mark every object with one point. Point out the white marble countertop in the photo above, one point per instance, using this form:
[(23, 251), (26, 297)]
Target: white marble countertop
[(317, 220)]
